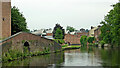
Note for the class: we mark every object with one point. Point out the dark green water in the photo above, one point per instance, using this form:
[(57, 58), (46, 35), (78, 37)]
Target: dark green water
[(79, 57)]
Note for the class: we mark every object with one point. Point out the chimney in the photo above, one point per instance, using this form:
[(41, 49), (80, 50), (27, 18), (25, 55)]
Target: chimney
[(92, 27)]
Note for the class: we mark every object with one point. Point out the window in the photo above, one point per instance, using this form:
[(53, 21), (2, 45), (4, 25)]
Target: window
[(3, 19)]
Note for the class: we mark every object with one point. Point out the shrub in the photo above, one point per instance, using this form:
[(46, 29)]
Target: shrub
[(83, 40), (90, 44), (91, 39), (102, 42)]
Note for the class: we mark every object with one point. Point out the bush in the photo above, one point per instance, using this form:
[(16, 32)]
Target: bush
[(102, 43), (83, 40), (91, 39), (95, 44), (90, 44)]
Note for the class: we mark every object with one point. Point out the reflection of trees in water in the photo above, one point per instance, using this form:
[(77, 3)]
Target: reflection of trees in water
[(43, 60), (93, 55), (110, 57)]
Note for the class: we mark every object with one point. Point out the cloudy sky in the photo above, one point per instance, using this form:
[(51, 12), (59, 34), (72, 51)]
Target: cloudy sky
[(75, 13)]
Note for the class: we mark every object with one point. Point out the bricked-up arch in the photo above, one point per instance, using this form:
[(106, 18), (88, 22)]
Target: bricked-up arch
[(36, 43), (27, 46)]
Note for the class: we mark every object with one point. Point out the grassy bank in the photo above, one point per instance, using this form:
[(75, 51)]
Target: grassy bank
[(66, 47)]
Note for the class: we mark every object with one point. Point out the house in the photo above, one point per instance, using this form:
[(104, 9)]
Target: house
[(91, 32), (40, 32), (49, 34), (97, 33), (73, 38)]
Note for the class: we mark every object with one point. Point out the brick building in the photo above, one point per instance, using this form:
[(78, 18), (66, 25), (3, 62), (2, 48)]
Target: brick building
[(74, 39), (49, 34), (5, 18)]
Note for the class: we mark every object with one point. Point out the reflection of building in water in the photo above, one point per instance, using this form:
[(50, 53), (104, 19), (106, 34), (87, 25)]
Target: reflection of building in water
[(5, 18)]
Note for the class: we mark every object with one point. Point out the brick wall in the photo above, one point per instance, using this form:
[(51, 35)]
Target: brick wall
[(36, 43), (0, 19), (5, 19), (72, 39), (49, 34)]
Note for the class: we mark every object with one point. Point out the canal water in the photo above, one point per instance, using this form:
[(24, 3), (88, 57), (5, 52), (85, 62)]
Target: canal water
[(89, 56)]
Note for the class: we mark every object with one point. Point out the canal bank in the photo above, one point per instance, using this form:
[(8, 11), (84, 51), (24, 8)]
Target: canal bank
[(76, 57), (69, 47), (12, 55)]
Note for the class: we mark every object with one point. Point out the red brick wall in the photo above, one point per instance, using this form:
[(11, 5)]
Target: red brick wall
[(37, 43), (49, 34), (6, 19), (84, 33), (73, 39)]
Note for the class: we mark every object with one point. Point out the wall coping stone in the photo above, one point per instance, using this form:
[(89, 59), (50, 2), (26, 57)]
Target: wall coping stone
[(21, 33)]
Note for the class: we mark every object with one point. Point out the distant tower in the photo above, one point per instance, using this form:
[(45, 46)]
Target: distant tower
[(5, 18)]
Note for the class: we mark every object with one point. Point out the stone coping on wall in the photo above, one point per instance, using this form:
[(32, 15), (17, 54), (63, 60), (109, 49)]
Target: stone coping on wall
[(21, 33), (5, 0)]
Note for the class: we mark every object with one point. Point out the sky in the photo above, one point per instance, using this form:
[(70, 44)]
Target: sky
[(41, 14)]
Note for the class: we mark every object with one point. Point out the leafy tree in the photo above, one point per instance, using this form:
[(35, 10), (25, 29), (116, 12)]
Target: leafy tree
[(91, 39), (71, 29), (18, 21), (110, 31), (58, 32), (86, 30), (83, 40)]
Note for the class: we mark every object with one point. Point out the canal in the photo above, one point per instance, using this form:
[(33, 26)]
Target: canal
[(89, 56)]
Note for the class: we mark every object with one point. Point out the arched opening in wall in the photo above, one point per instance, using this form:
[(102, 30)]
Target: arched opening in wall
[(26, 48)]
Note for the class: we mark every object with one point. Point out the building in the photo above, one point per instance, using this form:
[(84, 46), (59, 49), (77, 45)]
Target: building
[(5, 18), (74, 37), (97, 33), (91, 32), (40, 32), (82, 30), (49, 34)]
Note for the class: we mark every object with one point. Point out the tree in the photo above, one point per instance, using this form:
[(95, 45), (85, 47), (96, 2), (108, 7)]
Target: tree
[(91, 39), (83, 40), (58, 32), (71, 29), (110, 31), (18, 21)]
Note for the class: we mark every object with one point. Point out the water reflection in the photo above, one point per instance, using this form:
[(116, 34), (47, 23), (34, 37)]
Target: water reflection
[(86, 56), (44, 60), (110, 57), (80, 58)]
